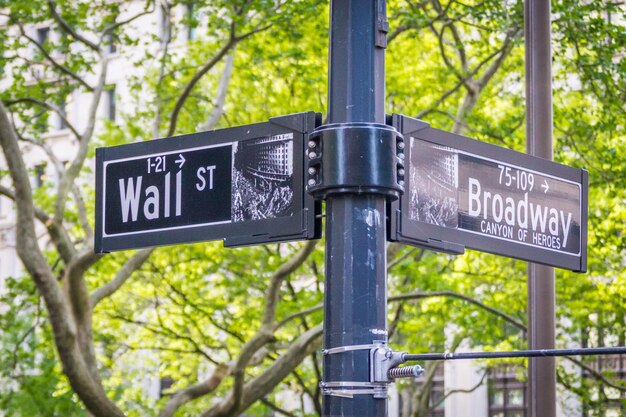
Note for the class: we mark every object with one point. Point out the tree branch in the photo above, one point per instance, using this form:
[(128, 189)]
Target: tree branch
[(66, 27), (261, 385), (63, 325), (218, 106), (82, 213), (168, 332), (444, 56), (48, 106), (399, 30), (277, 408), (233, 40), (52, 61), (597, 375), (405, 255), (121, 277), (208, 315), (109, 29), (458, 44), (74, 273), (80, 203), (423, 295), (458, 391), (450, 24), (459, 84), (452, 294), (502, 53), (423, 395), (263, 336), (73, 170), (194, 80), (266, 331), (279, 276), (191, 393), (165, 43), (59, 236), (78, 297), (298, 314)]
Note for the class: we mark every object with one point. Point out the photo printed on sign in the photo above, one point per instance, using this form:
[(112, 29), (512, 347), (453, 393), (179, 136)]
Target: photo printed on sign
[(263, 178)]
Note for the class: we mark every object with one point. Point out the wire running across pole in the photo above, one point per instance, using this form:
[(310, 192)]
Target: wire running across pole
[(516, 354)]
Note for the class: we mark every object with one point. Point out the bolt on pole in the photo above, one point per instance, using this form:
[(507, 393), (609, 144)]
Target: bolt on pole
[(541, 287)]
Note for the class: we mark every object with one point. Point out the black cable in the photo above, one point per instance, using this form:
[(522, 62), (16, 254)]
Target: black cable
[(516, 354)]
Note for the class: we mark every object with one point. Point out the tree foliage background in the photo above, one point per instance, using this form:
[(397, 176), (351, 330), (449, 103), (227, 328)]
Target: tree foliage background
[(233, 329)]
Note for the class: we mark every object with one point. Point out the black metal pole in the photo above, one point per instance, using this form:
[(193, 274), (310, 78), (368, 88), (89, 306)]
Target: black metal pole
[(541, 292), (356, 298)]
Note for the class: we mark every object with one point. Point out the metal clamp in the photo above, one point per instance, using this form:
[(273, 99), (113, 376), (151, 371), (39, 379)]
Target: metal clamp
[(348, 389), (382, 360), (340, 349), (384, 366), (383, 371), (355, 158)]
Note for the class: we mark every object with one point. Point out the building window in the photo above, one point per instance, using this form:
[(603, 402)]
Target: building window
[(109, 43), (63, 42), (437, 394), (603, 399), (110, 103), (165, 384), (42, 35), (40, 122), (507, 395), (192, 23), (62, 105), (40, 175), (166, 26)]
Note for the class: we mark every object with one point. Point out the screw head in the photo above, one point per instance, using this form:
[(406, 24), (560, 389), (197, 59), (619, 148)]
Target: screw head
[(401, 171), (312, 155), (401, 145), (400, 183), (311, 182), (312, 171), (311, 144), (418, 370), (401, 155)]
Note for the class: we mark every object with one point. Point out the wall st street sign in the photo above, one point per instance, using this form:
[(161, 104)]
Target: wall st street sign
[(243, 185), (464, 193)]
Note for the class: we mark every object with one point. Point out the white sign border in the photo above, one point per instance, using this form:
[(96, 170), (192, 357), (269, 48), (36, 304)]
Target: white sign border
[(132, 158)]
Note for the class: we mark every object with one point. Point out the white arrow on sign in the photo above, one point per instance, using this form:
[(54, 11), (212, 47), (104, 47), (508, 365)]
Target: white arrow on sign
[(180, 160), (545, 186)]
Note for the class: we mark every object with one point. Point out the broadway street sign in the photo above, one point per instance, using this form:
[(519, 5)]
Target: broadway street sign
[(243, 185), (462, 193)]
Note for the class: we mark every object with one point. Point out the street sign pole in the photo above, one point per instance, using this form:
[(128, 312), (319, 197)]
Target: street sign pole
[(541, 292), (353, 167)]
